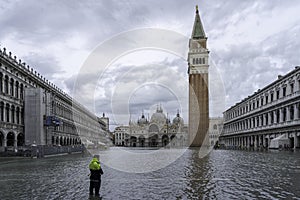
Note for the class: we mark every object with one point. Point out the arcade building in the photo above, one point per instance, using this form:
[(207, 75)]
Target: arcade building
[(36, 113)]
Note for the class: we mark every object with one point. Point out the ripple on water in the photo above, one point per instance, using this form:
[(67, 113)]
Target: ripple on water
[(220, 175)]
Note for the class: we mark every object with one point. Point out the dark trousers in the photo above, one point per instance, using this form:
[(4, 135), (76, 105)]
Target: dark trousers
[(95, 184)]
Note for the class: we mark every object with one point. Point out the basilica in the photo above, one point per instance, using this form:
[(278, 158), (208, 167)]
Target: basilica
[(158, 131)]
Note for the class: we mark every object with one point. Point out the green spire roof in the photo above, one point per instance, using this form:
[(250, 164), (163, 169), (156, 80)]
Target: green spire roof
[(198, 31)]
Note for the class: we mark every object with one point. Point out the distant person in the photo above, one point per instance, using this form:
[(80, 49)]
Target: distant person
[(95, 175)]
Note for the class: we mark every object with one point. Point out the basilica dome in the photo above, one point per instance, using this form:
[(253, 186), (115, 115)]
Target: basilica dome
[(158, 117), (143, 120), (178, 120)]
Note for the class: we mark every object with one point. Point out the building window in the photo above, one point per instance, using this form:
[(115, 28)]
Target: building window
[(262, 101), (6, 84), (267, 99), (292, 112), (21, 92), (203, 60), (1, 111), (284, 114), (277, 94), (215, 127), (253, 105), (13, 114), (7, 112), (1, 83), (292, 88), (277, 116), (272, 117), (298, 107), (17, 90), (12, 87), (284, 91), (194, 61), (272, 96), (257, 103)]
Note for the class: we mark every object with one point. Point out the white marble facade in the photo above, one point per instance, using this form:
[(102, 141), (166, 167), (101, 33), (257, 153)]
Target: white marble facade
[(158, 131)]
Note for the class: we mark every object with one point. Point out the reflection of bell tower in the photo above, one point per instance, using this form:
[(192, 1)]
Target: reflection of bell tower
[(198, 84)]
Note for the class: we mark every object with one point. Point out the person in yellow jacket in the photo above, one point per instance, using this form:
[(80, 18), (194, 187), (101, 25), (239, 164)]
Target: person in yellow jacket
[(95, 175)]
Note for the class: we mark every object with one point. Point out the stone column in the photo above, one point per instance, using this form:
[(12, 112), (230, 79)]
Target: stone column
[(2, 84), (16, 142), (255, 142), (274, 117), (288, 117), (296, 142), (249, 142), (4, 112), (8, 87), (259, 141), (281, 115), (5, 140), (296, 111)]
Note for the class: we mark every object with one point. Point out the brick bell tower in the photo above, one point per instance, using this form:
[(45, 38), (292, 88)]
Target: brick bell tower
[(198, 84)]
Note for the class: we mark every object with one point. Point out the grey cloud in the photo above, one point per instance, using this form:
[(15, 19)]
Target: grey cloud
[(248, 67), (46, 65), (244, 67)]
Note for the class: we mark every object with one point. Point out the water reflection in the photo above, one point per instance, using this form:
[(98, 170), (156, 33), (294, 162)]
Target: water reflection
[(220, 175)]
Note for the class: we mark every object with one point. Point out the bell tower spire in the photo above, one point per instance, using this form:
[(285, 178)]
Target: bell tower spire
[(198, 31), (198, 57)]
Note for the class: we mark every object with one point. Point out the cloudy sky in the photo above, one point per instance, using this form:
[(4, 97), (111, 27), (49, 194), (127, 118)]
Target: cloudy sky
[(250, 43)]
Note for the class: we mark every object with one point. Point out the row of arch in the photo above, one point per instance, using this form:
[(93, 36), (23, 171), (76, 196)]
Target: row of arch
[(65, 141), (155, 141), (11, 87), (11, 113), (11, 139), (198, 60), (268, 118)]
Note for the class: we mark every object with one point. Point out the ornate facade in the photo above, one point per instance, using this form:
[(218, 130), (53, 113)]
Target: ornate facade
[(159, 131), (34, 111), (215, 130), (267, 114)]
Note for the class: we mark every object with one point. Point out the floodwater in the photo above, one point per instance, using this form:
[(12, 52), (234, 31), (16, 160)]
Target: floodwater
[(223, 174)]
